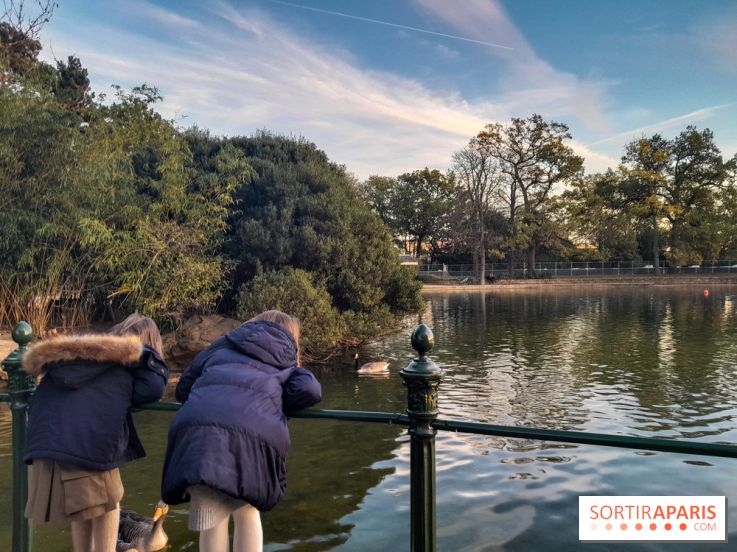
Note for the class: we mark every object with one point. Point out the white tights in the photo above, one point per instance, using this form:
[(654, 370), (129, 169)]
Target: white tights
[(98, 534), (247, 536)]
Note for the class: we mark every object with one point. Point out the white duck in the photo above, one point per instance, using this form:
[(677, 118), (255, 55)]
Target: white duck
[(371, 367)]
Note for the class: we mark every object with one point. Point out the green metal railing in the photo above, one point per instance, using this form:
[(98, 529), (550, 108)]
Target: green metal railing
[(421, 377)]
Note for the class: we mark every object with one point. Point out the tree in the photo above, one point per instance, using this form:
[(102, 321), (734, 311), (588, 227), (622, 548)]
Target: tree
[(591, 217), (533, 156), (19, 44), (695, 171), (477, 175), (111, 209), (419, 203), (301, 295), (376, 191), (302, 211), (728, 212), (670, 183), (16, 14), (73, 84)]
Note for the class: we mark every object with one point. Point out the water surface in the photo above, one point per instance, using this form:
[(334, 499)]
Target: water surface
[(658, 362)]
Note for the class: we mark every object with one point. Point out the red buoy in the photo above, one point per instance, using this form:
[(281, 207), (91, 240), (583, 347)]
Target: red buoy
[(706, 293)]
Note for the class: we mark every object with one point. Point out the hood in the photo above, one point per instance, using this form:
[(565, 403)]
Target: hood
[(73, 360), (266, 342)]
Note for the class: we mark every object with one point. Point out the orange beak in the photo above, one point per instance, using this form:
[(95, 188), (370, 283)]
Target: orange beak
[(158, 513)]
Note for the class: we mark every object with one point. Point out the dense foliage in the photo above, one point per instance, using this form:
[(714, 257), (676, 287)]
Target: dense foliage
[(301, 211), (300, 294), (107, 208), (105, 204), (519, 189)]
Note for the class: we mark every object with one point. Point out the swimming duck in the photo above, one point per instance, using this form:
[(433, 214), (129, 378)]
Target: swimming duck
[(137, 533), (371, 367)]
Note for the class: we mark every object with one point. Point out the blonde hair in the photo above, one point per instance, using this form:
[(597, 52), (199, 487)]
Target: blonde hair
[(142, 327), (289, 323)]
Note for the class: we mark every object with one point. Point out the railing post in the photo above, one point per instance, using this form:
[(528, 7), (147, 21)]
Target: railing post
[(20, 388), (422, 377)]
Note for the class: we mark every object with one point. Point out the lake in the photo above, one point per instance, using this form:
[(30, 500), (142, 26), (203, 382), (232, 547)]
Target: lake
[(643, 361)]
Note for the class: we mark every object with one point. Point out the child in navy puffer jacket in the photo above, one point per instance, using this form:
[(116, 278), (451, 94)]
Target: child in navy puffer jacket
[(228, 443)]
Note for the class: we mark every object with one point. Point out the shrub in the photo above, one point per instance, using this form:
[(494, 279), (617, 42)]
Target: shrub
[(299, 294)]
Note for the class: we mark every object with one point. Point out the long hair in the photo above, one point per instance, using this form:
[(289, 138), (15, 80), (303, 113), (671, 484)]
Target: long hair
[(289, 323), (142, 327)]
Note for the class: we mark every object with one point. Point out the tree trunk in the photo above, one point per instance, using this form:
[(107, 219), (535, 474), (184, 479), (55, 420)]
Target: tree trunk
[(656, 251), (418, 251), (482, 253), (475, 257), (531, 260)]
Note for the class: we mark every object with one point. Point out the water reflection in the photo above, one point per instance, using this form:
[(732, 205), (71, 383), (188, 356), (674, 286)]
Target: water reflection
[(650, 362)]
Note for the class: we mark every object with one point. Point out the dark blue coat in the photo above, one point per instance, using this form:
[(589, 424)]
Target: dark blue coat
[(231, 433), (79, 414)]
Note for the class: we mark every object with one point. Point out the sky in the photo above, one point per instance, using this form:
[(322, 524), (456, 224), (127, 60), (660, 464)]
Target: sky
[(390, 86)]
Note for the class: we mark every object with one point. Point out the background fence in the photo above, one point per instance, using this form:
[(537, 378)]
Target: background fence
[(576, 269)]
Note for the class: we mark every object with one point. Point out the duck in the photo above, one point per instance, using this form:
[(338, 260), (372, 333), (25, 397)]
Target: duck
[(137, 533), (371, 367)]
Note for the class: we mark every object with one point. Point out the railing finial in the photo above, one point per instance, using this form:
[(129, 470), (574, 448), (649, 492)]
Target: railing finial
[(422, 339), (22, 333), (422, 377), (20, 388)]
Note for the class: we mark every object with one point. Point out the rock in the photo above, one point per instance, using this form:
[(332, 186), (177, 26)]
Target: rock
[(196, 334)]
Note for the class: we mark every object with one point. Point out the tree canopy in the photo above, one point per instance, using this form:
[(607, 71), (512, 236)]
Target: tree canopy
[(107, 207)]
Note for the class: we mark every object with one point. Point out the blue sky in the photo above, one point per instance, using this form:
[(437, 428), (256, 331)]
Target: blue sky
[(387, 86)]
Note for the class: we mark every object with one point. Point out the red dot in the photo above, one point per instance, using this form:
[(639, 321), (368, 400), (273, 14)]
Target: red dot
[(668, 526), (608, 526), (623, 527), (638, 526), (683, 526), (653, 526)]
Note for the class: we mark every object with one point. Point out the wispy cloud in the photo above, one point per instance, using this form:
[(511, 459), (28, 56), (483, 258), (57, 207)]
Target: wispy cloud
[(395, 25), (660, 126), (531, 83), (167, 17), (718, 40), (258, 73)]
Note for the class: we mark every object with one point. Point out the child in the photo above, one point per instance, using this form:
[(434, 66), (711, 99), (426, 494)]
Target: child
[(228, 443), (80, 430)]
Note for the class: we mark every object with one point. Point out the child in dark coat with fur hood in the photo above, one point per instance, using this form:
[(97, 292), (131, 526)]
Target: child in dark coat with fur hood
[(80, 430), (228, 443)]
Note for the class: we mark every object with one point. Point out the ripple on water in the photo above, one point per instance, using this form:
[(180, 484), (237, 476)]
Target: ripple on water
[(646, 362)]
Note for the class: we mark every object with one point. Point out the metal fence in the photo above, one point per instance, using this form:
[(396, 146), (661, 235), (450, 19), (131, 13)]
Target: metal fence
[(422, 378), (575, 269)]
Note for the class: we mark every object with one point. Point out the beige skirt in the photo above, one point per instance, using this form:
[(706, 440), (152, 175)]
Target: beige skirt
[(61, 494)]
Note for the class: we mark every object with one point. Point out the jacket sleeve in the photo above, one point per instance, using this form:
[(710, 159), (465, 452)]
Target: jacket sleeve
[(301, 390), (194, 371), (149, 378)]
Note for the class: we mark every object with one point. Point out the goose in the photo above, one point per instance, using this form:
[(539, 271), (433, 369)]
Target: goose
[(371, 367), (137, 533)]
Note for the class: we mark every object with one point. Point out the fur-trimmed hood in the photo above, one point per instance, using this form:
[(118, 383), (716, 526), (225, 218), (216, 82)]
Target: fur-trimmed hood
[(98, 349)]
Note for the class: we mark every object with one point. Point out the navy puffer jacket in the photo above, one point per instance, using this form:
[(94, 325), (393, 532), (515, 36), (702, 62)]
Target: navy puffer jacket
[(79, 414), (231, 433)]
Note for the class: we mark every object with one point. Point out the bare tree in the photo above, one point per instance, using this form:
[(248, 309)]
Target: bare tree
[(477, 174), (27, 21), (534, 157)]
